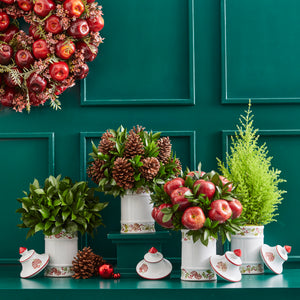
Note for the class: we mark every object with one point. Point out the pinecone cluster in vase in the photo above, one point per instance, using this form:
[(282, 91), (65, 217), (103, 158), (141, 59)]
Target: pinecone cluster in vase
[(86, 263), (128, 160)]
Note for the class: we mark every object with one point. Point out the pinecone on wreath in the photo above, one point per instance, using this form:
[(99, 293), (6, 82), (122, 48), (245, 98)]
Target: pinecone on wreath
[(106, 144), (123, 173), (150, 167), (165, 147), (86, 263), (134, 145)]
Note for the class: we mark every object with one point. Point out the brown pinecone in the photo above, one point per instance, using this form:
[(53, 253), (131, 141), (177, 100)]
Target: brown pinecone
[(98, 261), (85, 264), (150, 168), (137, 129), (178, 168), (95, 172), (165, 147), (123, 173), (134, 145), (106, 144)]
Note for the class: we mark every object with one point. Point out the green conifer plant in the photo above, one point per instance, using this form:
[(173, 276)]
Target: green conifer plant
[(249, 167)]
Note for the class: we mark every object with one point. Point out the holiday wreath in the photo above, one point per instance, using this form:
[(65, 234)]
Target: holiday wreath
[(39, 66)]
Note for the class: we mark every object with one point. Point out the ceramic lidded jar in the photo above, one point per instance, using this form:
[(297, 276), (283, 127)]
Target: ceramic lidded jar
[(32, 262), (136, 212)]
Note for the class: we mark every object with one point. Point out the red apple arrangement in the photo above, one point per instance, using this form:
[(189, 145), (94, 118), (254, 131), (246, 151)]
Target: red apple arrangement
[(39, 66), (202, 202)]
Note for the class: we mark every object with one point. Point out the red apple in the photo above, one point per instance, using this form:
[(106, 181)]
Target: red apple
[(193, 218), (89, 51), (220, 211), (8, 79), (206, 187), (35, 100), (4, 21), (74, 8), (225, 181), (84, 70), (8, 97), (9, 33), (59, 71), (40, 49), (43, 7), (173, 184), (6, 52), (8, 1), (65, 49), (60, 90), (25, 5), (236, 208), (158, 216), (24, 59), (36, 83), (33, 32), (178, 197), (79, 29), (53, 25), (96, 23)]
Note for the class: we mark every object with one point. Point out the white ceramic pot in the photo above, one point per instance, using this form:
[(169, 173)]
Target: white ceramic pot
[(195, 257), (250, 240), (136, 212), (61, 248)]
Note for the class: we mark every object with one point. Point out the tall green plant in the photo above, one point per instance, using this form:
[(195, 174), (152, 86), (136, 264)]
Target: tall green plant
[(249, 166)]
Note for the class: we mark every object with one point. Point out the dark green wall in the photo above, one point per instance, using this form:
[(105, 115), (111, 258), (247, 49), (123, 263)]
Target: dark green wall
[(163, 66)]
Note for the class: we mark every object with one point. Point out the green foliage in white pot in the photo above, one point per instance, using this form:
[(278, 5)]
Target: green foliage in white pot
[(60, 204), (249, 167)]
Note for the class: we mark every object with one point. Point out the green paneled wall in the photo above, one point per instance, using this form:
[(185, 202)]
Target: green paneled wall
[(162, 66)]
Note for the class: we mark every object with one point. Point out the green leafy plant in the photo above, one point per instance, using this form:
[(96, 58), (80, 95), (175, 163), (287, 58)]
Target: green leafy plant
[(60, 205), (131, 160), (211, 228), (249, 166)]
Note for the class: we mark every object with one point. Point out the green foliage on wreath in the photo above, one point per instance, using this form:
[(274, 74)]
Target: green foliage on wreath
[(210, 228), (59, 205), (249, 166)]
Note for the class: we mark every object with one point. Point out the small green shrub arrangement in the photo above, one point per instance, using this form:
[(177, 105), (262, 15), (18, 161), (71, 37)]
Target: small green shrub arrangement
[(249, 167), (131, 160), (60, 205)]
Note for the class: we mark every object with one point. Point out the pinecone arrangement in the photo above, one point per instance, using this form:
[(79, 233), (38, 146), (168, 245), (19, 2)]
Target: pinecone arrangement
[(131, 160), (86, 263)]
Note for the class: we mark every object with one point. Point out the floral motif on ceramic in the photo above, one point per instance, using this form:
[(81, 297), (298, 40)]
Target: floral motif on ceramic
[(251, 231), (222, 266), (62, 235), (58, 271), (252, 269), (137, 227), (186, 237), (36, 263), (143, 268), (270, 256), (197, 276)]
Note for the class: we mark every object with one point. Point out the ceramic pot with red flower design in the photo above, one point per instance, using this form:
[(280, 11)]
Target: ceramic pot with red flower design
[(195, 265), (61, 248), (136, 212), (250, 239)]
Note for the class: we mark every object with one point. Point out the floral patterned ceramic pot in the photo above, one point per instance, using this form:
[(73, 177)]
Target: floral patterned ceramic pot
[(62, 248), (136, 212), (195, 264), (249, 240)]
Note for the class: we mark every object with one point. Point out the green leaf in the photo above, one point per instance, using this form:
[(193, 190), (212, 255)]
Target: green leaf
[(65, 215), (38, 227), (48, 224), (40, 191), (44, 212), (167, 217), (30, 233)]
